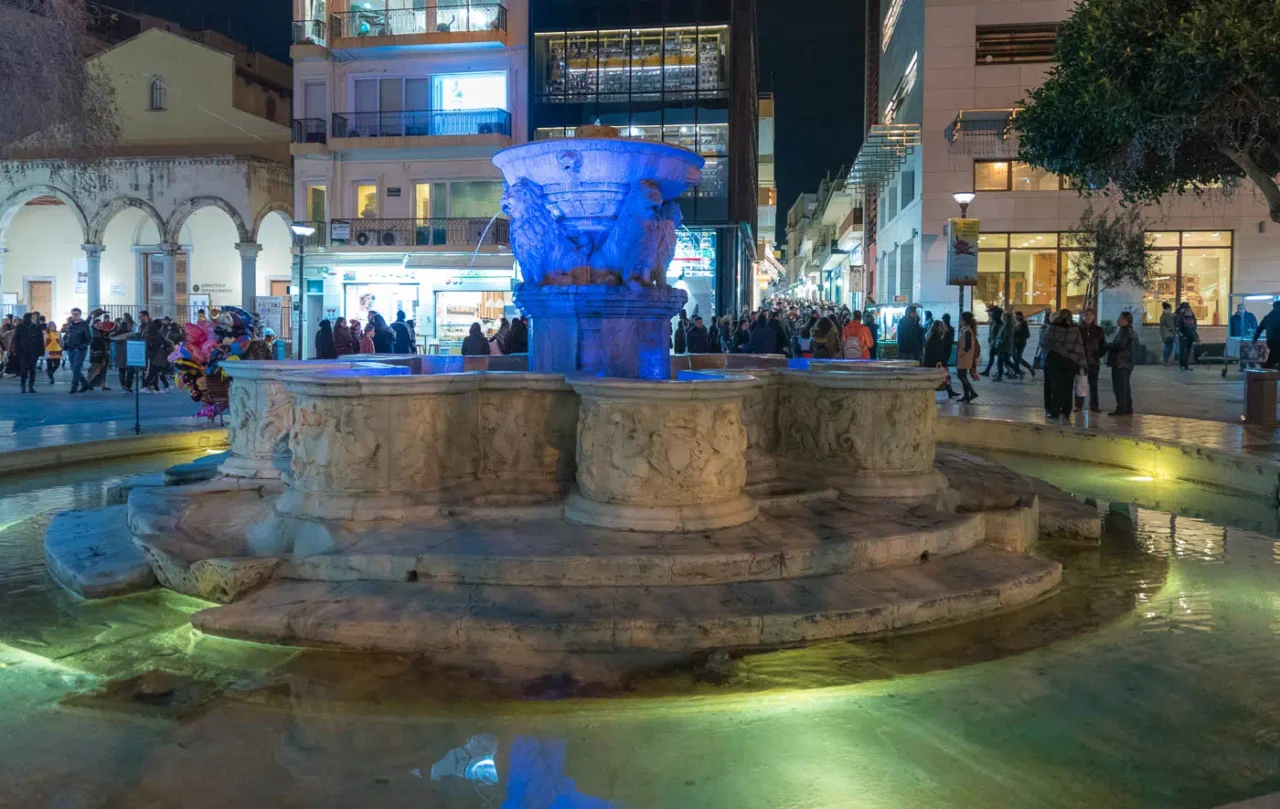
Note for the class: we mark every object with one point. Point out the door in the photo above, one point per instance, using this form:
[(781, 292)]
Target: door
[(280, 289), (315, 103), (40, 299)]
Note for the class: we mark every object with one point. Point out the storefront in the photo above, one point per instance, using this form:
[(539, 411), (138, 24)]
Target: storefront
[(694, 269)]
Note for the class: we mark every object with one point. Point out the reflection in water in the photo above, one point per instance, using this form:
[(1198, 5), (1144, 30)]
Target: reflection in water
[(1152, 679)]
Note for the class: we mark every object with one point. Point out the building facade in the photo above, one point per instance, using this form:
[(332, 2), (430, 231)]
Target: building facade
[(824, 244), (945, 78), (190, 211), (401, 107), (769, 269), (677, 71)]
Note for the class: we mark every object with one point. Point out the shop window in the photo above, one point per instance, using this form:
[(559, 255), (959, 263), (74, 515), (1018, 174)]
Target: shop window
[(989, 290), (1033, 272), (990, 175), (1164, 286), (1206, 278), (470, 91), (646, 63), (367, 201), (1015, 44)]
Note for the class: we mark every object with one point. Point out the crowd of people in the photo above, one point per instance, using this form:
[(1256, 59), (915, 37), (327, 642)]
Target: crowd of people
[(791, 328), (31, 343), (340, 337)]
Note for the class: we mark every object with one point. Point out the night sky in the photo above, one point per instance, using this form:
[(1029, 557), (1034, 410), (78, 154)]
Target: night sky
[(811, 59)]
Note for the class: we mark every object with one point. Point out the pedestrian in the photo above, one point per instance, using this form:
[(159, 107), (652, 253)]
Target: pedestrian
[(325, 347), (968, 353), (1242, 324), (1095, 342), (75, 343), (995, 316), (825, 340), (872, 322), (1168, 330), (475, 344), (678, 340), (950, 339), (28, 348), (856, 338), (503, 338), (1270, 326), (404, 336), (344, 342), (741, 337), (366, 340), (1120, 358), (8, 331), (518, 339), (1005, 345), (158, 350), (910, 336), (52, 351), (696, 337), (1064, 358), (1021, 336), (938, 355), (928, 325), (1188, 336), (713, 337), (763, 339), (384, 339)]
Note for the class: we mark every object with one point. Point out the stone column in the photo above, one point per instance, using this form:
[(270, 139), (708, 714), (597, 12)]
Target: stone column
[(367, 445), (93, 261), (869, 433), (662, 456), (248, 273), (3, 252)]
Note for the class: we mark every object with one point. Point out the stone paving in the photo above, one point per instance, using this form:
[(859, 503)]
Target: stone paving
[(53, 417)]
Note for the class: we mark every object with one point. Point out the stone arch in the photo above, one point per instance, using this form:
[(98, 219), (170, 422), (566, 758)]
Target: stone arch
[(183, 211), (109, 210), (10, 207), (281, 208)]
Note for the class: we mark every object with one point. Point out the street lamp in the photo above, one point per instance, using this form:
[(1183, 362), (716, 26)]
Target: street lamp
[(302, 232), (963, 199)]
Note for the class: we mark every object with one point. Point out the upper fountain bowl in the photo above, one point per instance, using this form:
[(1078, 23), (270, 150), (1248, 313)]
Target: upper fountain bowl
[(585, 181)]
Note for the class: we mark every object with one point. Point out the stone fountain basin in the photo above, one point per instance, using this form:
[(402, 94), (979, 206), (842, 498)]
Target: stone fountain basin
[(585, 180)]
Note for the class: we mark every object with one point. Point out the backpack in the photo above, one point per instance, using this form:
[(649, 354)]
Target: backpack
[(852, 347)]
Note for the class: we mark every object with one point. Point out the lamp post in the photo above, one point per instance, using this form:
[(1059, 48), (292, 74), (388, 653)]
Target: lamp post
[(301, 232), (963, 199)]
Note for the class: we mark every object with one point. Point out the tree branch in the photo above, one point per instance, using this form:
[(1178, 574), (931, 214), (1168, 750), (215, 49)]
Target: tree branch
[(1258, 176)]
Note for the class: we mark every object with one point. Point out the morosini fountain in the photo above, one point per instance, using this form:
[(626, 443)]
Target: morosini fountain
[(609, 507)]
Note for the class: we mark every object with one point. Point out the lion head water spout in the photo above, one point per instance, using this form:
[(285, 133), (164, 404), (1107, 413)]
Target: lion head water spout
[(593, 225)]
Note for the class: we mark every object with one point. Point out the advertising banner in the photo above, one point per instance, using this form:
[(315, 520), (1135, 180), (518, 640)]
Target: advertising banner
[(962, 252)]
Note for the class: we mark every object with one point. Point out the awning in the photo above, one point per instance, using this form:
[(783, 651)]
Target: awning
[(983, 133), (882, 154)]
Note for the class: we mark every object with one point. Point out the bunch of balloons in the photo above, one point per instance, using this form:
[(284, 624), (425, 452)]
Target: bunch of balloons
[(199, 362)]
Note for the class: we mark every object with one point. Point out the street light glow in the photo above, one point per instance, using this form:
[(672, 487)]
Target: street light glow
[(302, 230), (963, 198)]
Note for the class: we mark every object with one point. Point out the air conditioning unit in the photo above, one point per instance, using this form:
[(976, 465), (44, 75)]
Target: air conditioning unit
[(363, 238), (388, 238)]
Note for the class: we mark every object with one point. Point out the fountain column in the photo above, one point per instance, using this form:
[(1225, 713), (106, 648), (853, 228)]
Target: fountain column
[(662, 456)]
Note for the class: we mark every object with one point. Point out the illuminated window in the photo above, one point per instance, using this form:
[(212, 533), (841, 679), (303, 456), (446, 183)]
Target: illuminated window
[(1013, 175), (990, 175), (367, 200), (1030, 178), (422, 200), (470, 91), (317, 202), (1015, 44), (899, 96)]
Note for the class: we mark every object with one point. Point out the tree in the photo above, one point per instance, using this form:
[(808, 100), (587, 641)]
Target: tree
[(1114, 250), (53, 101), (1157, 96)]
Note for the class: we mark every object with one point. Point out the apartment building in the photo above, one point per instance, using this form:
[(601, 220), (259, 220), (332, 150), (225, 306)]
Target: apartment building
[(824, 243), (944, 79), (400, 106)]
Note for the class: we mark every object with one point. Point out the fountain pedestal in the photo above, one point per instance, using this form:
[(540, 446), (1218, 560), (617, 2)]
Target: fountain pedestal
[(600, 330)]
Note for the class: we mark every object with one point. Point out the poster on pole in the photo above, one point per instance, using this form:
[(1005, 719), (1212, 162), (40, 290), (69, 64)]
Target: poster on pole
[(962, 252), (271, 311)]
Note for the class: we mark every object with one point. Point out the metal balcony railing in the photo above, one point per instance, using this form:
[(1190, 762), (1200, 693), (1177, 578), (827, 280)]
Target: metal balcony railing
[(318, 239), (310, 130), (463, 17), (308, 31), (411, 123), (464, 234)]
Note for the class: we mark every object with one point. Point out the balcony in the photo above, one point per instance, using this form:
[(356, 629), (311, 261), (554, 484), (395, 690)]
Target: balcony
[(431, 25), (310, 138), (308, 32), (318, 239), (420, 128), (450, 234)]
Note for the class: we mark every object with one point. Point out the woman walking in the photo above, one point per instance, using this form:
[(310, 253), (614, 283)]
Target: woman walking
[(325, 349), (158, 349), (52, 350), (1064, 358), (384, 339), (120, 352), (824, 342), (968, 353), (937, 353), (28, 348)]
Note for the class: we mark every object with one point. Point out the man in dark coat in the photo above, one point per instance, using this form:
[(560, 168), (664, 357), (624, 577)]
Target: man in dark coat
[(75, 345), (696, 337), (404, 336), (1270, 325)]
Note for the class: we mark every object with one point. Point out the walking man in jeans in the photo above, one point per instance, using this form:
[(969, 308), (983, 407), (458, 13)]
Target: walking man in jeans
[(75, 345), (1122, 351)]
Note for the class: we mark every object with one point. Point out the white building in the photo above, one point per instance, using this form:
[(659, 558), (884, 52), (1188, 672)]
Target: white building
[(944, 77), (181, 217), (824, 243), (400, 107)]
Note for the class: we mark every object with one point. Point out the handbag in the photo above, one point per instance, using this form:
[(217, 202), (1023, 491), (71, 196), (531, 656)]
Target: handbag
[(1082, 386)]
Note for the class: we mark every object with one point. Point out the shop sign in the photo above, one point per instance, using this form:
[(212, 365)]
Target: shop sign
[(695, 254), (962, 252), (339, 231), (393, 192), (210, 289)]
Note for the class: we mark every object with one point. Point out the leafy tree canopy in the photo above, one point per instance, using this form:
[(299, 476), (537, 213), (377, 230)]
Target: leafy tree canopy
[(1159, 96)]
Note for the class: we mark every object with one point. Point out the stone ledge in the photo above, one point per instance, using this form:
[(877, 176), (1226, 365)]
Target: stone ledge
[(111, 449), (91, 553), (1219, 469)]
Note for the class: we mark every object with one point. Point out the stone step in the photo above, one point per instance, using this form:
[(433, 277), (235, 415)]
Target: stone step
[(789, 540), (512, 624), (92, 553)]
